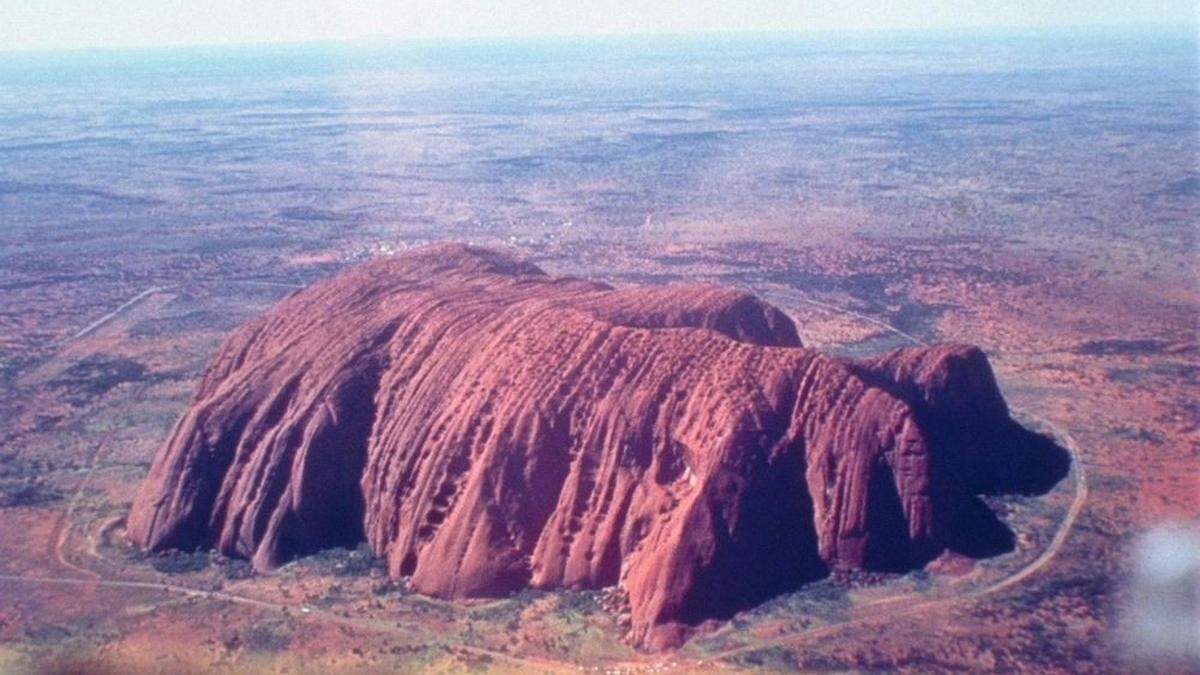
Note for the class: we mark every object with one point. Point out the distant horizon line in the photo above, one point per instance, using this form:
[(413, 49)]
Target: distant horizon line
[(1159, 27)]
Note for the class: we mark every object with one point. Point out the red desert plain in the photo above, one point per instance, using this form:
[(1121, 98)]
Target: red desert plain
[(815, 356)]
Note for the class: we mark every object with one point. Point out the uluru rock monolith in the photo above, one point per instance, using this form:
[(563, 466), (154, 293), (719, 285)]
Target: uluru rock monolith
[(485, 427)]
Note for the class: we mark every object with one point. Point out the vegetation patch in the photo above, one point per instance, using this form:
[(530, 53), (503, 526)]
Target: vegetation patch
[(827, 600), (95, 375), (180, 562), (767, 658), (1120, 347), (264, 636), (24, 483), (1141, 434), (344, 562), (26, 492)]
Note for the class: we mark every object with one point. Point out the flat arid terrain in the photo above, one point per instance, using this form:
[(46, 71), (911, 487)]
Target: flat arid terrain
[(1037, 200)]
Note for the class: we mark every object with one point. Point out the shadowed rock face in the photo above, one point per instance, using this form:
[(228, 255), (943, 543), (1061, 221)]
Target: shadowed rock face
[(486, 427)]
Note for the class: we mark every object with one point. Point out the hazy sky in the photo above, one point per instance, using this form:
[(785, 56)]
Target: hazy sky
[(37, 24)]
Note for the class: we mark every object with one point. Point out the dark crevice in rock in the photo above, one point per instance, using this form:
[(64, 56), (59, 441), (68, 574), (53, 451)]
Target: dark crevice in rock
[(768, 550)]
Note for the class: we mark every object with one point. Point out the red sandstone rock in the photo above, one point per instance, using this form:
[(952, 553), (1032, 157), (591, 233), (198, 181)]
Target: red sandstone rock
[(486, 427)]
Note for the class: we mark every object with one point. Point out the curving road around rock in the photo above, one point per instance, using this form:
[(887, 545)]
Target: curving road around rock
[(889, 613), (882, 611)]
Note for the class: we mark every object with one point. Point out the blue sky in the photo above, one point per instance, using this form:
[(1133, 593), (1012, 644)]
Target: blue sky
[(73, 24)]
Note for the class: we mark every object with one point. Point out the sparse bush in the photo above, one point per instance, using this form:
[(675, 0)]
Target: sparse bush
[(95, 375), (577, 602), (387, 587), (270, 636), (767, 658), (343, 562), (180, 562), (26, 492), (234, 568), (45, 633)]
